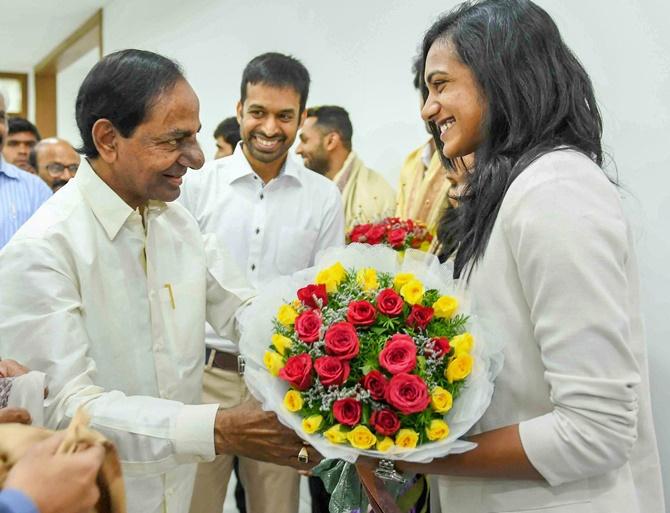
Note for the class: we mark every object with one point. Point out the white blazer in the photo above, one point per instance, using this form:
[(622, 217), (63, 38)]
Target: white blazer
[(559, 283)]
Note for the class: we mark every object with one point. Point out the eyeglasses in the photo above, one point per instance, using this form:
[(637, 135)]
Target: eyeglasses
[(56, 169)]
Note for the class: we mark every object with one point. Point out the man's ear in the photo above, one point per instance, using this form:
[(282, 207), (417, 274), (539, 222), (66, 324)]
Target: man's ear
[(105, 138), (238, 112), (303, 117), (331, 141)]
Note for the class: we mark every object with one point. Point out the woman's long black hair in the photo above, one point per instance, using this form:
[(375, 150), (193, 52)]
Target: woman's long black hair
[(537, 97)]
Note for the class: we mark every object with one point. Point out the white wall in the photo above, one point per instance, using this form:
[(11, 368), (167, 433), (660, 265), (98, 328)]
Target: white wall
[(359, 55), (68, 81)]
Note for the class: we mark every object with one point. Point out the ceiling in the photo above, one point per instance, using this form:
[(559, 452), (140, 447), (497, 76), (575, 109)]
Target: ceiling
[(31, 29)]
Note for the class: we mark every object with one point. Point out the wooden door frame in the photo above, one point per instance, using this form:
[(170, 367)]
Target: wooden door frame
[(73, 47)]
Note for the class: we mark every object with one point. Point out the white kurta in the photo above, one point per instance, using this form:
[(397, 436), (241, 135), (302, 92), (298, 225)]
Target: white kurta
[(271, 229), (559, 283), (114, 315)]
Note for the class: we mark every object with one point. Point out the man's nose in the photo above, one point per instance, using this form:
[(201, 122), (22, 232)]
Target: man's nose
[(192, 156), (270, 126)]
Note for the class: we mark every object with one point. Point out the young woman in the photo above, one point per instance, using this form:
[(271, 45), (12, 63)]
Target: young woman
[(544, 247)]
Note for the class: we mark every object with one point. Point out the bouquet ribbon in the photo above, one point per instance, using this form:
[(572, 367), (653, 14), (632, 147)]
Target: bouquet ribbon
[(353, 487)]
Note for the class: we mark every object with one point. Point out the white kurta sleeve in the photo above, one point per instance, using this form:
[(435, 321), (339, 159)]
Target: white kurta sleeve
[(568, 237), (41, 325)]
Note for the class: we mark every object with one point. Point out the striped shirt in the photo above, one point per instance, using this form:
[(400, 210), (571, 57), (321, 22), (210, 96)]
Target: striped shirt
[(21, 194)]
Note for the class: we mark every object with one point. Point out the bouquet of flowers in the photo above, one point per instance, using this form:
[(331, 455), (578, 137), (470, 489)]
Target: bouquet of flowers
[(366, 354), (399, 234), (373, 360)]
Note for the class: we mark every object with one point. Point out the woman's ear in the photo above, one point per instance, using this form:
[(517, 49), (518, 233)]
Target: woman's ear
[(105, 138)]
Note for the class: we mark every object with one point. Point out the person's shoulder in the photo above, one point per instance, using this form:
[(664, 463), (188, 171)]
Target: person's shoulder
[(559, 168), (34, 182), (313, 180), (562, 175), (58, 215)]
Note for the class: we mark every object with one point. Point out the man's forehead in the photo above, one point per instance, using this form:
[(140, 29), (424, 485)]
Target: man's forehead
[(281, 97), (23, 136)]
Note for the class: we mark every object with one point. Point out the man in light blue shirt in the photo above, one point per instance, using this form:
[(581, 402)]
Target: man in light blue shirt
[(20, 192)]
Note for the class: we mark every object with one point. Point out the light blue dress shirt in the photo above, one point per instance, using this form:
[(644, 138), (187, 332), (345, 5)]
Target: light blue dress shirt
[(21, 194)]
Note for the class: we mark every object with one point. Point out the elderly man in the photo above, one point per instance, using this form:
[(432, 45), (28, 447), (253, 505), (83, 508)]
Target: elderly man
[(22, 136), (108, 287), (325, 146), (21, 193), (55, 161)]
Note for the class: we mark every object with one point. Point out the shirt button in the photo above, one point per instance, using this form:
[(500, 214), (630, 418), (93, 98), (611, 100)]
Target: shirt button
[(253, 267), (261, 195), (258, 230)]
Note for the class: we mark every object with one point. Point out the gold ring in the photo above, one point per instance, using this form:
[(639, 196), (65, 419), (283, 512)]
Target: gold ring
[(303, 455)]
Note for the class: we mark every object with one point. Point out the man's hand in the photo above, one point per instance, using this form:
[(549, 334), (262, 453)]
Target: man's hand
[(249, 431), (9, 415), (12, 369), (58, 483)]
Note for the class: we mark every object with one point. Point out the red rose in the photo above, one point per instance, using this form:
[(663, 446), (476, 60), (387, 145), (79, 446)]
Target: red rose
[(399, 354), (361, 313), (341, 340), (314, 296), (396, 237), (347, 411), (298, 371), (375, 383), (331, 370), (420, 316), (390, 303), (407, 393), (385, 422), (439, 347), (359, 232), (376, 234), (308, 326)]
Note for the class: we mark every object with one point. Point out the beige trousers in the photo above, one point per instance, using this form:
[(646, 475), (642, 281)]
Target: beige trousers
[(268, 487)]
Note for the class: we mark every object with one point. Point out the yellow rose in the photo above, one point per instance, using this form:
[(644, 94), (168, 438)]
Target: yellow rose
[(412, 291), (462, 343), (445, 307), (286, 315), (402, 278), (384, 444), (459, 368), (331, 277), (273, 362), (293, 401), (437, 430), (406, 438), (425, 245), (361, 437), (335, 435), (441, 400), (281, 343), (367, 278), (312, 423)]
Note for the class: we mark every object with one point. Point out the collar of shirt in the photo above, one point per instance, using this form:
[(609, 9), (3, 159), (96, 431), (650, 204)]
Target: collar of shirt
[(241, 168), (9, 170), (342, 176), (107, 206)]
